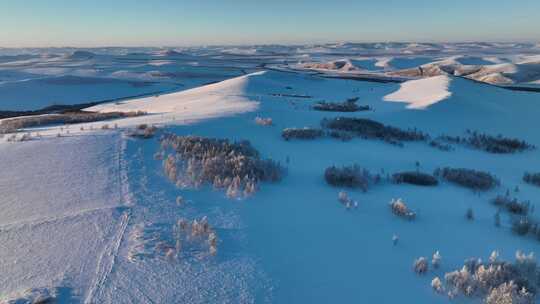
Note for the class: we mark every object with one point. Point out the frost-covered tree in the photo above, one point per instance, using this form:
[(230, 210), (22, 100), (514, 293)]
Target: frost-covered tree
[(420, 265), (400, 209), (395, 239), (437, 285), (436, 260)]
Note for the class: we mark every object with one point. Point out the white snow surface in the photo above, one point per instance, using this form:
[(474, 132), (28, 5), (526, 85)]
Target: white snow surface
[(420, 94), (72, 204)]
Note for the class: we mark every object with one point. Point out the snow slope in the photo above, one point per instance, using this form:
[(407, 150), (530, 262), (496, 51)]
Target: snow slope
[(422, 93)]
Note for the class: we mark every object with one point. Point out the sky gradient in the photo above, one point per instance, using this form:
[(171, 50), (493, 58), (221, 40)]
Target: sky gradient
[(34, 23)]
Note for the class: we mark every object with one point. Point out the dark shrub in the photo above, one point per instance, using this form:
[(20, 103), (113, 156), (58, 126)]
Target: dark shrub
[(532, 178), (512, 205), (304, 133), (476, 180), (349, 176), (415, 178), (521, 226), (368, 128)]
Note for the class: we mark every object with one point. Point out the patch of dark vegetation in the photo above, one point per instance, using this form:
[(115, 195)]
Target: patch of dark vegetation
[(437, 144), (142, 131), (370, 129), (14, 124), (235, 167), (476, 180), (62, 109), (348, 106), (492, 144), (301, 133), (495, 281), (48, 110), (532, 178), (341, 135), (523, 226), (415, 178), (291, 95), (351, 177), (512, 205)]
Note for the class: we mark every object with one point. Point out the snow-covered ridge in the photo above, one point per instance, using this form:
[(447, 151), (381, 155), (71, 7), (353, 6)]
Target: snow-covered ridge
[(210, 101)]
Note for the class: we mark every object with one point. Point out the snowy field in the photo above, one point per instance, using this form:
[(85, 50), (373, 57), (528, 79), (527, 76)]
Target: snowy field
[(90, 216)]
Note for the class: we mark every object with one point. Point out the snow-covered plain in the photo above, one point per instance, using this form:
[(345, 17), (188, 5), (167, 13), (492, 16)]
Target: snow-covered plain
[(76, 207)]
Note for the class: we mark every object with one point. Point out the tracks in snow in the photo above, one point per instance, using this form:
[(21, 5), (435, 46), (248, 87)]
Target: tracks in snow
[(107, 259)]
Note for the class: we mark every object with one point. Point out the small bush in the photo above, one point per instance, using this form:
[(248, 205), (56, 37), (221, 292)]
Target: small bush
[(370, 129), (400, 209), (142, 131), (476, 180), (415, 178), (532, 178), (345, 200), (420, 265), (263, 121), (303, 133), (348, 176)]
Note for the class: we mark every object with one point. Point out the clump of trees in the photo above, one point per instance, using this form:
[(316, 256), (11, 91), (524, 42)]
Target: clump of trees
[(301, 133), (182, 239), (489, 143), (347, 106), (370, 129), (15, 124), (511, 205), (350, 176), (399, 208), (476, 180), (415, 178), (143, 131), (497, 144), (496, 281), (532, 178), (235, 167)]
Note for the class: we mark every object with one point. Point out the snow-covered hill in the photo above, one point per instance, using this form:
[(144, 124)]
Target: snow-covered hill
[(90, 216)]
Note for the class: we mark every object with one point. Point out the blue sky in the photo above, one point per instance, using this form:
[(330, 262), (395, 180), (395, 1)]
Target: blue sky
[(200, 22)]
